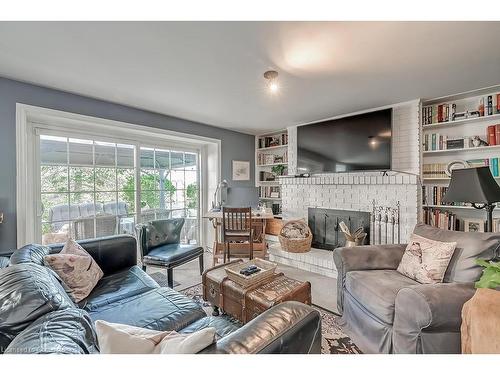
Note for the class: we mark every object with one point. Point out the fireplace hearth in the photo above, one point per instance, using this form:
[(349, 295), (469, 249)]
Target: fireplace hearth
[(324, 224)]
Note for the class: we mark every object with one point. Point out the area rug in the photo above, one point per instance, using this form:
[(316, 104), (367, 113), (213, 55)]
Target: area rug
[(334, 341), (161, 278)]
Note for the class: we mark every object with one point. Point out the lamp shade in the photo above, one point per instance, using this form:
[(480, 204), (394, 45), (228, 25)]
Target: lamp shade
[(472, 185)]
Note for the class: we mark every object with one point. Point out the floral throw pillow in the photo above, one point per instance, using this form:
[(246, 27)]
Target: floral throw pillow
[(426, 260), (77, 269)]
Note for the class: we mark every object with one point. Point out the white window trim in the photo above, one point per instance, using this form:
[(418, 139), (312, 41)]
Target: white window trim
[(30, 118)]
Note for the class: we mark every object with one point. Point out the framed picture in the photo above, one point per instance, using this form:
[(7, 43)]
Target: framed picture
[(241, 170), (473, 225)]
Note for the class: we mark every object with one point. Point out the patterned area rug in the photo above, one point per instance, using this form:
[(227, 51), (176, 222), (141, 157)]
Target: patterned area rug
[(334, 341), (161, 278)]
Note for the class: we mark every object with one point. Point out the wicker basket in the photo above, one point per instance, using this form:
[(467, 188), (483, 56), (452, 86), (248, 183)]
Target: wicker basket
[(295, 245)]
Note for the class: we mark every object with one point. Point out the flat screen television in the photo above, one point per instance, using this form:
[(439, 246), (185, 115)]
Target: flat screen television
[(356, 143)]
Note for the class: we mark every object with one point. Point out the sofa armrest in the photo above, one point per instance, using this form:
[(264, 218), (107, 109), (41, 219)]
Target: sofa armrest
[(428, 308), (290, 327), (359, 258)]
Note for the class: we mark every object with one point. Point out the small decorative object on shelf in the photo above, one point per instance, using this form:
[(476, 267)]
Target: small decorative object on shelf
[(455, 164), (478, 142)]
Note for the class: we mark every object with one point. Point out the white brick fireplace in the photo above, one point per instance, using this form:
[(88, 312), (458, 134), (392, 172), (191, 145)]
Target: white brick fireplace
[(357, 191)]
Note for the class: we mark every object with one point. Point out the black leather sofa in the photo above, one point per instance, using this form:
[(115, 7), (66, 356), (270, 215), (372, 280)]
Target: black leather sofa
[(37, 316)]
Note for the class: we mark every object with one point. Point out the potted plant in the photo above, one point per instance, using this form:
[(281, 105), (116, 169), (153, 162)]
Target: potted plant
[(278, 169), (491, 274)]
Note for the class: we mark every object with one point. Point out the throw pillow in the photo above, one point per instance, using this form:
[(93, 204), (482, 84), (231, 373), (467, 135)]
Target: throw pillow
[(117, 338), (426, 260), (77, 269)]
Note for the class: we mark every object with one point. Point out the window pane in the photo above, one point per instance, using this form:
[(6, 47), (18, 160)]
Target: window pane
[(126, 202), (125, 155), (108, 201), (178, 199), (162, 159), (149, 179), (83, 201), (176, 160), (105, 154), (190, 161), (147, 158), (126, 179), (127, 225), (150, 199), (81, 152), (53, 150), (191, 177), (81, 179), (55, 207), (54, 178), (105, 179), (177, 178)]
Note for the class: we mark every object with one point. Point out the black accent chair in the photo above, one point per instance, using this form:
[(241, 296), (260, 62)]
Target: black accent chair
[(159, 241)]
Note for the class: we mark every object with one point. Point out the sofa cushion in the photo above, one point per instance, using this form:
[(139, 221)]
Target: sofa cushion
[(161, 309), (112, 288), (376, 290), (222, 325), (27, 292), (172, 254), (426, 260), (68, 331), (470, 246), (32, 253), (4, 262)]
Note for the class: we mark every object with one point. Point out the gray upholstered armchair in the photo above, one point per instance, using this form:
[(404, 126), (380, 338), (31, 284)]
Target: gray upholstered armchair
[(384, 311)]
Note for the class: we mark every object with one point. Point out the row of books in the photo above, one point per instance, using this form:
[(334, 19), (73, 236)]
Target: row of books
[(436, 141), (269, 192), (489, 162), (273, 140), (445, 112), (442, 219), (434, 170), (493, 137), (434, 195), (264, 159)]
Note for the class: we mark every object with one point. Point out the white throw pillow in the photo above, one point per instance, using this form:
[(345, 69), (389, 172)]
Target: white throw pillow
[(117, 338), (426, 260)]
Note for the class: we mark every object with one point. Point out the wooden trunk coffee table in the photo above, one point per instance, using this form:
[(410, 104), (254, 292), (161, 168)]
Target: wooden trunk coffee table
[(245, 304)]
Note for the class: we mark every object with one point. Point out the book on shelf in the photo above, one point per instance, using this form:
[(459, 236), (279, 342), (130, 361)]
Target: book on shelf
[(269, 192), (447, 112), (273, 140), (434, 170), (442, 219), (489, 162), (265, 159)]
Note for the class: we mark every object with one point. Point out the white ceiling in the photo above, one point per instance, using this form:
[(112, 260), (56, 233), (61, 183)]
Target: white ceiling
[(211, 72)]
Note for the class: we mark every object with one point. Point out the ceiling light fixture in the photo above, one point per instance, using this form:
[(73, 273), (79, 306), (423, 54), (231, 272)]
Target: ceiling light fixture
[(272, 77)]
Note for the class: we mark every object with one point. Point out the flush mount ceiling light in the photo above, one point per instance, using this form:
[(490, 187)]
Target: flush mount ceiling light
[(272, 77)]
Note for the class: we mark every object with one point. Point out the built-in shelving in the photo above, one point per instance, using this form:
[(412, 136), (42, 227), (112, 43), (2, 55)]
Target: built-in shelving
[(266, 161), (465, 128)]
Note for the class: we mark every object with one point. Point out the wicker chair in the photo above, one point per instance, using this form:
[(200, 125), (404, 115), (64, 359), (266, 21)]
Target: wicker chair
[(105, 226)]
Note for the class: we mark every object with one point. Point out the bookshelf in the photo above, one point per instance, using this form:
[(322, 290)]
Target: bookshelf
[(271, 160), (448, 127)]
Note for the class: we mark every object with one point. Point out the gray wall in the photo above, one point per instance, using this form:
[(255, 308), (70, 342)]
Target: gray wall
[(235, 145)]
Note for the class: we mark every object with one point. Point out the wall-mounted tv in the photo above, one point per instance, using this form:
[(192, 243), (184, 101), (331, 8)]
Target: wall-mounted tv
[(355, 143)]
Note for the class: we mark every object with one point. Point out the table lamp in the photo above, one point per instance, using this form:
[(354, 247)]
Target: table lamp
[(476, 186)]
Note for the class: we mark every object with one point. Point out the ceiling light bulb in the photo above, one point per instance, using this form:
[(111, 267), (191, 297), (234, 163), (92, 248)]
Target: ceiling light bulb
[(272, 77)]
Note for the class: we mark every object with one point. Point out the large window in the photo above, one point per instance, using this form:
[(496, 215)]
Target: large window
[(89, 188)]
